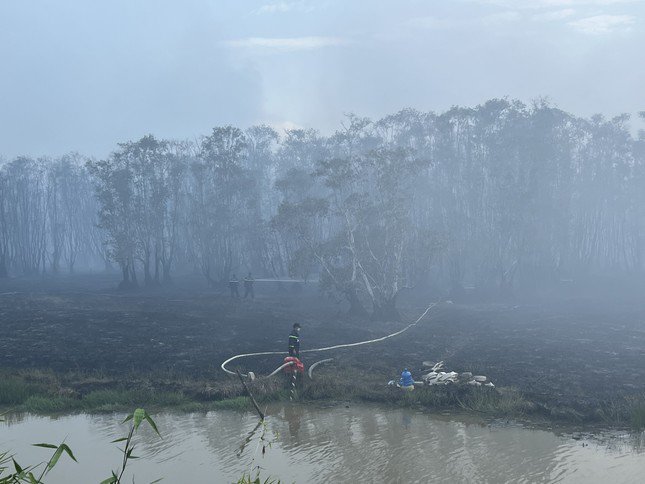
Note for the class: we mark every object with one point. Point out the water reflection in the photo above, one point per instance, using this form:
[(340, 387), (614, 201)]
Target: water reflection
[(293, 415), (338, 444), (249, 437)]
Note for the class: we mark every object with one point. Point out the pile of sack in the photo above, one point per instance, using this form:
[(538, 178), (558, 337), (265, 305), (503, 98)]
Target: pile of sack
[(437, 376)]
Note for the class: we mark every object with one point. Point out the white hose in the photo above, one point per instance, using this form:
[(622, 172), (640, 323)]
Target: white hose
[(275, 372), (223, 365), (328, 348), (311, 368)]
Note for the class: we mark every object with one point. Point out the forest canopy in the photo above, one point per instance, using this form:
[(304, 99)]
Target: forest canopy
[(501, 195)]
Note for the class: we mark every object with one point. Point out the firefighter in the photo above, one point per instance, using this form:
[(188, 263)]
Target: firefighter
[(234, 284), (248, 286), (294, 341)]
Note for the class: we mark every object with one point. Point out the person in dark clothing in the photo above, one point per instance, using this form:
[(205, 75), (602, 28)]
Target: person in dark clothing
[(248, 286), (294, 341), (234, 284)]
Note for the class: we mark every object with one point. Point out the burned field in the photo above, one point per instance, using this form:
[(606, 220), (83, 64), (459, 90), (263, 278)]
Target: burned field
[(573, 360)]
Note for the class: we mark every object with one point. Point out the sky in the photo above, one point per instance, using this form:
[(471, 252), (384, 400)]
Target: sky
[(83, 76)]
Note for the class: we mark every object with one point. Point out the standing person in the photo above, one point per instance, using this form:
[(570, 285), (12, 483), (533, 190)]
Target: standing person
[(294, 341), (234, 284), (248, 286)]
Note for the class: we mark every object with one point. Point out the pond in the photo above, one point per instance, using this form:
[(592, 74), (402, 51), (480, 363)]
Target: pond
[(303, 444)]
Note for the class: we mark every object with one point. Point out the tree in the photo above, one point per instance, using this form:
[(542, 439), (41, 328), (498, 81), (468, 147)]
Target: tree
[(115, 193), (220, 202), (25, 215)]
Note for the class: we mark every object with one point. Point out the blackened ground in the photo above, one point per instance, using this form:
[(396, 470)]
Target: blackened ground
[(574, 352)]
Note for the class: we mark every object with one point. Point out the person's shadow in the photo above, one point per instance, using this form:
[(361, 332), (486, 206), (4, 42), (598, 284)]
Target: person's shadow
[(406, 420)]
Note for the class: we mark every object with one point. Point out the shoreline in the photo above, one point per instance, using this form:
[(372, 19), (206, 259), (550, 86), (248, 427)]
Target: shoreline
[(47, 393)]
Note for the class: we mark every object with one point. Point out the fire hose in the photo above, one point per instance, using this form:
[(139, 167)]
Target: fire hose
[(251, 375)]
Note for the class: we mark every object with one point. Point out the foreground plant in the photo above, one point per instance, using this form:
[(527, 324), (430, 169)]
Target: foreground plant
[(248, 479), (137, 417), (28, 474)]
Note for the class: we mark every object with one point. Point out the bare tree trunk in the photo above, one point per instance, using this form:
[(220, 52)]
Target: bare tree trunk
[(125, 278), (386, 310), (147, 278), (356, 308)]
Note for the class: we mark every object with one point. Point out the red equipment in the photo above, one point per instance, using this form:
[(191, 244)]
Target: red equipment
[(297, 366)]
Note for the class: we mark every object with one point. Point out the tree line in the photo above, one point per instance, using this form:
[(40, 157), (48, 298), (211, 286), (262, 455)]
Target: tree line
[(500, 195)]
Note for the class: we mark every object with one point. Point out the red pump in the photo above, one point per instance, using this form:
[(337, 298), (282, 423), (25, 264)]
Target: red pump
[(297, 367)]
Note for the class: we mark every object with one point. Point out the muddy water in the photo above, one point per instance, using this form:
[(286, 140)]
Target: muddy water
[(336, 444)]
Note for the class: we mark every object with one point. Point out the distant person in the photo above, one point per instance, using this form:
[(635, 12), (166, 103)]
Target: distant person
[(406, 382), (294, 341), (234, 285), (248, 286)]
